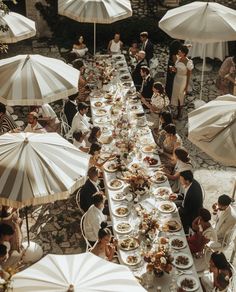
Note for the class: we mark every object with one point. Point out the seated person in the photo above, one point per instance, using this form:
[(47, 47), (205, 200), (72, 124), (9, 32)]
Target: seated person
[(95, 151), (79, 48), (71, 108), (33, 124), (133, 50), (104, 248), (183, 163), (192, 199), (171, 141), (159, 101), (78, 141), (3, 257), (218, 265), (95, 134), (226, 217), (93, 218), (13, 256), (81, 120), (6, 121), (115, 45), (222, 282), (160, 134), (204, 232), (89, 189), (136, 73), (83, 89)]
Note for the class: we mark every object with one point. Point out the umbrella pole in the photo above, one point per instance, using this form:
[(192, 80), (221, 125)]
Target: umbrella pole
[(234, 191), (94, 38), (203, 68), (27, 225)]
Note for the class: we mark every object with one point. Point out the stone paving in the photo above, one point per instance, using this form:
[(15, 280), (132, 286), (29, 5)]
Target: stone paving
[(56, 226)]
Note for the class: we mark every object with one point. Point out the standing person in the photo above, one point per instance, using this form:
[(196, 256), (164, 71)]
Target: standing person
[(71, 108), (192, 199), (173, 51), (6, 122), (33, 124), (183, 68), (227, 217), (159, 101), (136, 74), (80, 120), (147, 83), (147, 46), (226, 81), (115, 45)]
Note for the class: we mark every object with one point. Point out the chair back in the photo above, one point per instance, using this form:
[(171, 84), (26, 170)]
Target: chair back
[(65, 128), (88, 245), (228, 238), (77, 199)]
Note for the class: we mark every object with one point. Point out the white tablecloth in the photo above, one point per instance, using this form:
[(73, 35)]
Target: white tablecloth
[(146, 200), (215, 50)]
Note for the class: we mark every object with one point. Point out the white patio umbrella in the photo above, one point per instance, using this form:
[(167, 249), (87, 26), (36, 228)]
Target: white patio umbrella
[(35, 80), (77, 273), (203, 22), (95, 11), (19, 27), (39, 168), (212, 128)]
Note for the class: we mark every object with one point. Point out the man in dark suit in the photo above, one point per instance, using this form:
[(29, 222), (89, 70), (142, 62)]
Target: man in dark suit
[(89, 188), (192, 199), (136, 75), (147, 46), (70, 108), (147, 84)]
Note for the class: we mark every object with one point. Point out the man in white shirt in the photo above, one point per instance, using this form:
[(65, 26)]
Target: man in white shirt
[(80, 120), (93, 218), (33, 125), (227, 219)]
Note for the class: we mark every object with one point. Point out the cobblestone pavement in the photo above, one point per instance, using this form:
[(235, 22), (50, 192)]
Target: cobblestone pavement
[(56, 226)]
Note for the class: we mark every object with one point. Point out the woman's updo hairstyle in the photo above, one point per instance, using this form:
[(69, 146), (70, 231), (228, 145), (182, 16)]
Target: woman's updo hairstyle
[(159, 86), (103, 231), (182, 154)]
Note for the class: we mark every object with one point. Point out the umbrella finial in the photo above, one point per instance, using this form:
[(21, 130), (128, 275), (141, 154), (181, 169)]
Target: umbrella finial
[(71, 288), (26, 140)]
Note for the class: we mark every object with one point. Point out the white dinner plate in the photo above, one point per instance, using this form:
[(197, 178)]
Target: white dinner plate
[(180, 265), (181, 241), (113, 186), (127, 229), (166, 207), (117, 210), (162, 192), (188, 277)]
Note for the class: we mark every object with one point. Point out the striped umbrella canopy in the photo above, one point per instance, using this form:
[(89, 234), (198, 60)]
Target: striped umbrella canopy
[(75, 273), (95, 11), (35, 80), (18, 27), (39, 168)]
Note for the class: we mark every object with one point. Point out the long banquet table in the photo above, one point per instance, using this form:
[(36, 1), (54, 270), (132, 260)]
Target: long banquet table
[(121, 90)]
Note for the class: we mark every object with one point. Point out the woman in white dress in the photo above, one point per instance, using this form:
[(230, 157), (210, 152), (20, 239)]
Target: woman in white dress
[(159, 101), (79, 142), (115, 45), (183, 68)]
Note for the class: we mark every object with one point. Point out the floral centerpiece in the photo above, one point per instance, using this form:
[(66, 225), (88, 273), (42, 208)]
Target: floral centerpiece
[(148, 225), (159, 258), (139, 182)]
